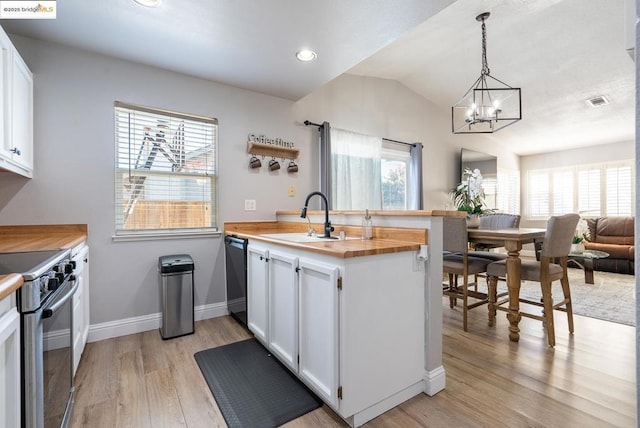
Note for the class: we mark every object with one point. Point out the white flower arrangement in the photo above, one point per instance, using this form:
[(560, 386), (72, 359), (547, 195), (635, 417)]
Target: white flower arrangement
[(469, 195), (581, 233)]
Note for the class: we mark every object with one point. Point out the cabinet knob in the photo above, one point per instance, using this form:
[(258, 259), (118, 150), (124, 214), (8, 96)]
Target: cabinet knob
[(16, 151)]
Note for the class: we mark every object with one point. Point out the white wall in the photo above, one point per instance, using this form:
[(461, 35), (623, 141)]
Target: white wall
[(74, 167), (388, 109), (583, 156)]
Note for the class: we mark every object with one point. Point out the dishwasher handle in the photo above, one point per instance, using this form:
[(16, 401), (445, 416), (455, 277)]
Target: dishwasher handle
[(234, 241)]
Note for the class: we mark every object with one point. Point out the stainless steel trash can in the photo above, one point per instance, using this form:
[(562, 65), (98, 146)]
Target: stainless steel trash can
[(176, 283)]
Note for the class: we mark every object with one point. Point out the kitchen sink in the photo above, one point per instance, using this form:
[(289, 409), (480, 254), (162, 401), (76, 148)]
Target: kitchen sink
[(301, 237)]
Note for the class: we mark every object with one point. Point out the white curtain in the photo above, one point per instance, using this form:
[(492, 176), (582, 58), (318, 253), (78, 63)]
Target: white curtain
[(355, 171)]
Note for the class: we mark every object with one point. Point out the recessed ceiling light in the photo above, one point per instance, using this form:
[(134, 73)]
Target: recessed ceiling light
[(306, 55), (149, 3)]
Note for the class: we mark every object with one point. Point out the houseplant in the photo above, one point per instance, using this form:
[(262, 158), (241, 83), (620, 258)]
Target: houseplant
[(468, 196), (579, 236)]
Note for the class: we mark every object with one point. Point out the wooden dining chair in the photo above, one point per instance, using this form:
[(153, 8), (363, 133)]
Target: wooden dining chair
[(457, 263), (494, 221), (552, 266), (483, 250)]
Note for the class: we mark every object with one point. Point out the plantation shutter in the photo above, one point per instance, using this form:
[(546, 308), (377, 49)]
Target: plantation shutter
[(508, 191), (619, 185), (562, 192), (165, 170), (539, 194), (589, 192)]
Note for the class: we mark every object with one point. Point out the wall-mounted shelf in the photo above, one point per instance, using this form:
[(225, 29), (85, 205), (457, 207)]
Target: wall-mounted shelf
[(272, 151)]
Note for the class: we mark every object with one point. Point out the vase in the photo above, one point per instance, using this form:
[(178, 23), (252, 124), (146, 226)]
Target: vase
[(577, 248), (473, 221)]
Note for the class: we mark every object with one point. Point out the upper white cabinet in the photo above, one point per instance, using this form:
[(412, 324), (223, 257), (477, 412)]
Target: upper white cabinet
[(16, 111)]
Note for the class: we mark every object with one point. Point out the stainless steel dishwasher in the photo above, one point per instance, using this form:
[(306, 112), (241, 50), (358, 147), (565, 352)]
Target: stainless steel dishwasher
[(236, 264)]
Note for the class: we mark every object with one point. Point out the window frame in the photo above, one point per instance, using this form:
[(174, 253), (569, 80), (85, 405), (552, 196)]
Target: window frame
[(578, 171), (399, 152), (211, 174)]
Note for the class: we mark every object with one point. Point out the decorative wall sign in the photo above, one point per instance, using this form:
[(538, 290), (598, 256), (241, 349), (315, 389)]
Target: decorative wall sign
[(271, 147), (253, 138)]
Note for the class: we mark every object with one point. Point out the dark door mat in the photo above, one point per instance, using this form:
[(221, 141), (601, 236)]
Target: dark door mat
[(251, 387)]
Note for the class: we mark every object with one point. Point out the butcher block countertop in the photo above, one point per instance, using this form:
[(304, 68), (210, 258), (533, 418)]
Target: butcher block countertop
[(385, 239), (36, 238), (9, 284)]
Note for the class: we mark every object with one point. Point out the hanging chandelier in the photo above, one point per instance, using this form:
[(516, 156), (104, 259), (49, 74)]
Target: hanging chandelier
[(484, 108)]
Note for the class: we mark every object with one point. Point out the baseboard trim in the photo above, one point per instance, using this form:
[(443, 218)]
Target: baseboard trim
[(434, 381), (108, 330)]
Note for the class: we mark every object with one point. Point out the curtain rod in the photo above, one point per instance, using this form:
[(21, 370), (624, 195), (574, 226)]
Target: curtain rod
[(308, 122), (399, 142)]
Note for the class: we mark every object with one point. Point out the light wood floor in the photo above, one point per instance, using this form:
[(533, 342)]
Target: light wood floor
[(588, 380)]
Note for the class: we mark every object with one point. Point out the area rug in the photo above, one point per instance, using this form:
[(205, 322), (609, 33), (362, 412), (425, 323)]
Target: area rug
[(251, 388), (610, 298)]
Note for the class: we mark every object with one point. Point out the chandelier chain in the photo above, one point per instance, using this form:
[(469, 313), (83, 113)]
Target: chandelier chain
[(485, 66)]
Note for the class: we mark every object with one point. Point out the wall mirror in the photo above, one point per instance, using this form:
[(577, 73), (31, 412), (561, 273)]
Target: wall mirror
[(488, 166)]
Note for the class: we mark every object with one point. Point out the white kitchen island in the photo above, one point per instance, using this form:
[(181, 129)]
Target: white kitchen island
[(350, 318)]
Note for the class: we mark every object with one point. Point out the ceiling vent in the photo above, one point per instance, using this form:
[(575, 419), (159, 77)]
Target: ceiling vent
[(598, 101)]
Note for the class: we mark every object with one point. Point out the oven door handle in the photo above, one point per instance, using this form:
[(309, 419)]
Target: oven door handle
[(47, 313)]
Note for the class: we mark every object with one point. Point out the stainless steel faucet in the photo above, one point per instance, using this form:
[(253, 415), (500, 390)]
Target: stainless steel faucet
[(327, 224)]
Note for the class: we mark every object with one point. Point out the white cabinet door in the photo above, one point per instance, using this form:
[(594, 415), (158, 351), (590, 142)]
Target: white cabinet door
[(16, 110), (283, 307), (258, 292), (9, 364), (80, 305), (6, 49), (22, 115), (319, 335), (86, 303)]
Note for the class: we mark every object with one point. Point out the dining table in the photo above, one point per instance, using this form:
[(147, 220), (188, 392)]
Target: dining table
[(512, 239)]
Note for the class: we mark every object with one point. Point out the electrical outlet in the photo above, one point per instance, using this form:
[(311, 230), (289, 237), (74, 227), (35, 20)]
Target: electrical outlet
[(292, 190), (249, 204)]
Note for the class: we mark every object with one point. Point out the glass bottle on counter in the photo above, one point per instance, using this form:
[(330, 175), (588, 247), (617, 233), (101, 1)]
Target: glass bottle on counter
[(367, 226)]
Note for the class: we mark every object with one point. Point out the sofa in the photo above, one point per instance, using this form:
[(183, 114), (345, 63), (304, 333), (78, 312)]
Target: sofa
[(614, 235)]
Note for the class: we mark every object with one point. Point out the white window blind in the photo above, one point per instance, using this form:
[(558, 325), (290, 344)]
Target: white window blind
[(589, 192), (562, 191), (165, 170), (538, 194), (508, 191), (490, 187), (619, 190)]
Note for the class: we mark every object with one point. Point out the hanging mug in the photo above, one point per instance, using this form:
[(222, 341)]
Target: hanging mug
[(254, 162), (293, 167), (274, 165)]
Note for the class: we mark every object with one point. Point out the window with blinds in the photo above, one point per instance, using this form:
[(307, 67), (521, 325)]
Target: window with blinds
[(619, 191), (165, 170), (589, 191), (538, 189), (562, 192), (508, 191), (592, 190)]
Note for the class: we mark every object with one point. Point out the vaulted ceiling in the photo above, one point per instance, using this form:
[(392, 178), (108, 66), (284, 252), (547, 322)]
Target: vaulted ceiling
[(560, 52)]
